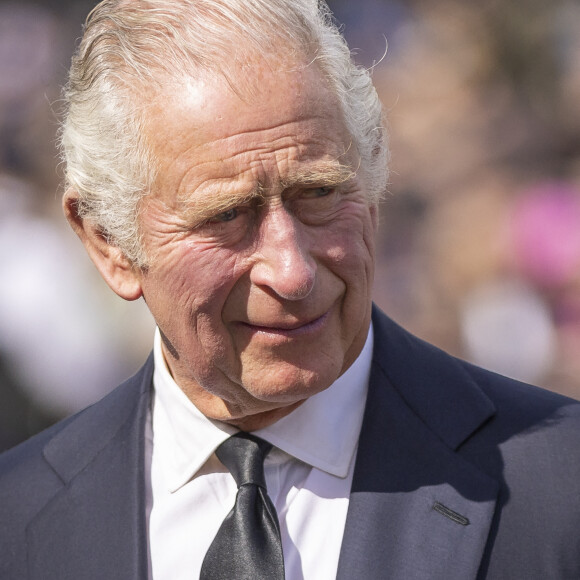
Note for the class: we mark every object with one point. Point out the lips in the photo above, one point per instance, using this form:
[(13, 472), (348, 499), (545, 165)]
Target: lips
[(290, 329)]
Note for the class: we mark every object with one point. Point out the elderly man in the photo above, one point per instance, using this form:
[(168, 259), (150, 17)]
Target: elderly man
[(224, 160)]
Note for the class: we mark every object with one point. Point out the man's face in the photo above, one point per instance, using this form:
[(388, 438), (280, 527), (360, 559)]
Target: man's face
[(260, 241)]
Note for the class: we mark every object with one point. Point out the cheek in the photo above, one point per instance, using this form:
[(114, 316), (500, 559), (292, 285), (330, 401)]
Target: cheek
[(191, 280), (186, 296), (349, 243)]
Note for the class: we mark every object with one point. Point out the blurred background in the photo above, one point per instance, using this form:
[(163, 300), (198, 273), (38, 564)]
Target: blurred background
[(479, 246)]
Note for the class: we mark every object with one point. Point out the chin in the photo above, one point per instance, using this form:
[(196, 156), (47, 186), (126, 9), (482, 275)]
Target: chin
[(291, 390)]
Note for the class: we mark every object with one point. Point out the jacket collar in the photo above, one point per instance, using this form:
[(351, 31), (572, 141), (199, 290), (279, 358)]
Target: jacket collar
[(417, 508), (434, 385)]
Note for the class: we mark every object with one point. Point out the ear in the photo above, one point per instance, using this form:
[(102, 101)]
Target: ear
[(118, 272)]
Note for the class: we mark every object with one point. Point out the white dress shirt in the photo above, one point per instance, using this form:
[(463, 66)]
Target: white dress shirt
[(308, 475)]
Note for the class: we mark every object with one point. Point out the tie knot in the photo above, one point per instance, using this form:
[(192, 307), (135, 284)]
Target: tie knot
[(243, 454)]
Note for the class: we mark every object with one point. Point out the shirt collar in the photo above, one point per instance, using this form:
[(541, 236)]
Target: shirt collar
[(184, 439)]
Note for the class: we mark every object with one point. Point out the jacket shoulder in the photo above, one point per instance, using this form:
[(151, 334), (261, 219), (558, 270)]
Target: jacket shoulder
[(36, 477), (36, 469), (523, 437)]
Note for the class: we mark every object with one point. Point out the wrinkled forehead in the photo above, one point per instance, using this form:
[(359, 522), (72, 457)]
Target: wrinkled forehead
[(274, 115)]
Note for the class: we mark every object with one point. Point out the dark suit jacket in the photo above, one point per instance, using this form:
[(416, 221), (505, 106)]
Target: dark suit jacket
[(460, 474)]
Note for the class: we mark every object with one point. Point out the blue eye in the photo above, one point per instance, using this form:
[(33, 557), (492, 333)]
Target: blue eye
[(320, 192), (227, 216)]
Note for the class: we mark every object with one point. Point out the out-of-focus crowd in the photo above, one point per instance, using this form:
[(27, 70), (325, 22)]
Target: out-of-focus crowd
[(479, 246), (480, 241), (65, 339)]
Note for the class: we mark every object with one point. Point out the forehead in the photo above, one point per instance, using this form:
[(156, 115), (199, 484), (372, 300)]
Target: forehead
[(272, 120)]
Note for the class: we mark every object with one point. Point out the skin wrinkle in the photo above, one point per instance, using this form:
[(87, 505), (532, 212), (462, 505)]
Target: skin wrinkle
[(327, 175), (265, 307), (131, 62), (322, 352), (331, 172), (286, 131)]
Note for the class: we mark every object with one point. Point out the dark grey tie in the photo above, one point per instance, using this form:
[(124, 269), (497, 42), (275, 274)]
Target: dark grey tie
[(247, 545)]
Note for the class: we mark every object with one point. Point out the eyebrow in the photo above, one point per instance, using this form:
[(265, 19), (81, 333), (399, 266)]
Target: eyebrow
[(198, 211), (323, 174)]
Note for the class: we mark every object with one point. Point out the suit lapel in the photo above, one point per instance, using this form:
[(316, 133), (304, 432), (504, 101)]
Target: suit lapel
[(417, 508), (99, 455)]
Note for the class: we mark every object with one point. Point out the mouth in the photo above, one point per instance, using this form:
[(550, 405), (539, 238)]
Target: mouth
[(288, 329)]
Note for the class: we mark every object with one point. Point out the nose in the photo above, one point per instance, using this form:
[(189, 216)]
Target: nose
[(283, 261)]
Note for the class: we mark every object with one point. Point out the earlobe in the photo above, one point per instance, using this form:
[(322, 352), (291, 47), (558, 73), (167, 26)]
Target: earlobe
[(117, 271)]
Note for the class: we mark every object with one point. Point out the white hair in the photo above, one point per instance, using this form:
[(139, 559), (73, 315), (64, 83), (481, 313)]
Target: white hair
[(131, 46)]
